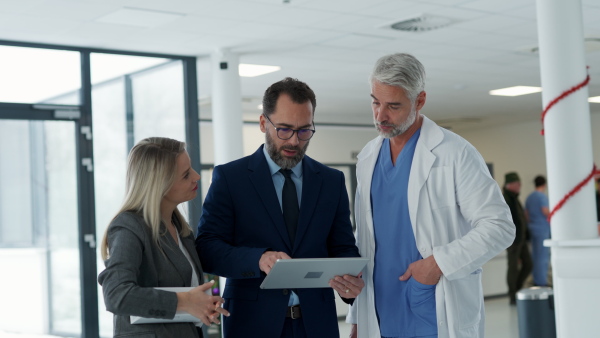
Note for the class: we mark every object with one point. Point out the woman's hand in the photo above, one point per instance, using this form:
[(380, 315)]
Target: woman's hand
[(201, 305)]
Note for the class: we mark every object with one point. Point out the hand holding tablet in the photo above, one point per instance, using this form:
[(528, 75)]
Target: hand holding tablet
[(313, 273)]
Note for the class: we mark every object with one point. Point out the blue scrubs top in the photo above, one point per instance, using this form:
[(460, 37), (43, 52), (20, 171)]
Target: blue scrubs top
[(537, 221), (404, 309)]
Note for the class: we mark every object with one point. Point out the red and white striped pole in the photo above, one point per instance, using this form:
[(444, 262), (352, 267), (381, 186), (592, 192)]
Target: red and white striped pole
[(567, 125), (570, 166)]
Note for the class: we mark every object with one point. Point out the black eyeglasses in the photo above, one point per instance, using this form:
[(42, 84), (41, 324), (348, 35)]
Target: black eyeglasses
[(287, 133)]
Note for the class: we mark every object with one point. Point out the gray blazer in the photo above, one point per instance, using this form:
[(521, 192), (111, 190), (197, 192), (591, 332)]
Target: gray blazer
[(136, 265)]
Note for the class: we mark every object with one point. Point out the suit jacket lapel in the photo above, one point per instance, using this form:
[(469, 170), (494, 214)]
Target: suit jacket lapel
[(260, 176), (174, 255), (311, 186)]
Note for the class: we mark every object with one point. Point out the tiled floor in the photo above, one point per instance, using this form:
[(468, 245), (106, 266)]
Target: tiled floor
[(500, 320)]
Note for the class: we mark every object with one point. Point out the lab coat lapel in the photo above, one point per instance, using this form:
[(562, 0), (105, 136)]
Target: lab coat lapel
[(423, 161), (367, 161)]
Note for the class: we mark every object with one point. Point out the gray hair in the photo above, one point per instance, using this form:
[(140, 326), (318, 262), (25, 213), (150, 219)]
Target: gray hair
[(400, 70)]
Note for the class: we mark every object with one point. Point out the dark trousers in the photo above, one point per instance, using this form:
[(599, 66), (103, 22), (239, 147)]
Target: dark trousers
[(293, 328), (516, 275)]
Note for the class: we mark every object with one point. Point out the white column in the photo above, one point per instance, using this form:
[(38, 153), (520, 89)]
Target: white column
[(567, 126), (226, 107), (575, 244), (227, 117)]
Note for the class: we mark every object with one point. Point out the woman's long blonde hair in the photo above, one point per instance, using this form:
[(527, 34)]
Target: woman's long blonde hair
[(151, 171)]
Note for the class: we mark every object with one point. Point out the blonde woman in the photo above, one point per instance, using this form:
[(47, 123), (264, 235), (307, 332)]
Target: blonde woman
[(148, 244)]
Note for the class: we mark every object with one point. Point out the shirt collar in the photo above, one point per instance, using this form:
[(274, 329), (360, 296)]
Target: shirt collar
[(274, 168)]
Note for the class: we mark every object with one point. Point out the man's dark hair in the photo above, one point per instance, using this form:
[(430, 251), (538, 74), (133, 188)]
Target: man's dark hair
[(298, 91), (539, 181)]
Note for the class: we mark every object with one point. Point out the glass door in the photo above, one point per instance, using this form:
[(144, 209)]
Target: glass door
[(68, 117), (39, 228), (133, 97)]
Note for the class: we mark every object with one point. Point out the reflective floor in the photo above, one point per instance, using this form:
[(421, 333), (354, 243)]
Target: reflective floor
[(501, 322)]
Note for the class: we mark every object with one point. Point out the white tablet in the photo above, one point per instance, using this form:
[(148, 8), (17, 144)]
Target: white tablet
[(300, 273), (180, 316)]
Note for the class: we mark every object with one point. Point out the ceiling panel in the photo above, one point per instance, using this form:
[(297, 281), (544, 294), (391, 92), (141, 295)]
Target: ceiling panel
[(13, 25), (491, 23), (495, 6), (354, 41), (397, 11), (71, 10), (200, 24), (297, 17), (342, 6), (528, 12), (18, 7), (102, 32), (239, 10), (172, 6), (331, 44)]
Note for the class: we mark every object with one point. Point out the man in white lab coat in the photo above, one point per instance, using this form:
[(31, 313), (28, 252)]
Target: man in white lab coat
[(428, 216)]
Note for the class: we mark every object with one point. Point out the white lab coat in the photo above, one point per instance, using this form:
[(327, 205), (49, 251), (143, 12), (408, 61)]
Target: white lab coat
[(457, 213)]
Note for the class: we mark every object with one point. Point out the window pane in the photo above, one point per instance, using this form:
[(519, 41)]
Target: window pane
[(15, 180), (63, 230), (38, 173), (158, 102), (133, 98), (33, 75)]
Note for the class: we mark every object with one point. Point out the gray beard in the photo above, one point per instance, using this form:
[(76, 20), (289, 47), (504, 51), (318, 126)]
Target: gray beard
[(398, 129), (280, 160)]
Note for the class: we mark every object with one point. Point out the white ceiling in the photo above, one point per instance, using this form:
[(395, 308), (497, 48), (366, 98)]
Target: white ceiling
[(330, 44)]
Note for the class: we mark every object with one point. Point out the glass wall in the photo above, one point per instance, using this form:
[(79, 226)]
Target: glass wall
[(34, 75), (52, 164), (133, 98), (39, 250)]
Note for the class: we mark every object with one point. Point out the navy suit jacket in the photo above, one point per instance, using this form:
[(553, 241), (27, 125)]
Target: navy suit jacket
[(242, 218)]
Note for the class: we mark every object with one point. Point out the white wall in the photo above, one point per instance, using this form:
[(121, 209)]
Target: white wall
[(520, 148), (330, 144), (516, 147)]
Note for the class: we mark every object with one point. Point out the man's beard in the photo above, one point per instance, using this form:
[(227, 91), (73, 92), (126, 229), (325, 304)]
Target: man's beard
[(283, 161), (397, 129)]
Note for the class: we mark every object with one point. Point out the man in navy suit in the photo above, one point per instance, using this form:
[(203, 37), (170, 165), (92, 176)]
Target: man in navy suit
[(246, 224)]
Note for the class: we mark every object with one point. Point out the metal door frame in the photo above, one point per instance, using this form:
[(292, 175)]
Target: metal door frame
[(81, 115)]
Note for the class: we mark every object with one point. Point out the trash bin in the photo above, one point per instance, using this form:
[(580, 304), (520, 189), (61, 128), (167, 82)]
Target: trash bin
[(535, 310)]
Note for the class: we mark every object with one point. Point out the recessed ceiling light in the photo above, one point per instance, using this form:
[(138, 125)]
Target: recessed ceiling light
[(595, 99), (515, 91), (139, 17), (247, 70)]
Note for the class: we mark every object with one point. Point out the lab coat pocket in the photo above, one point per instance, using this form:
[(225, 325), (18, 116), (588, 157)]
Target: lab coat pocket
[(467, 296), (422, 301), (440, 188)]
